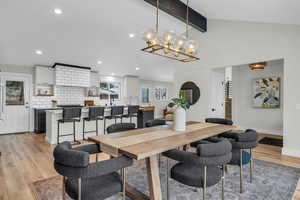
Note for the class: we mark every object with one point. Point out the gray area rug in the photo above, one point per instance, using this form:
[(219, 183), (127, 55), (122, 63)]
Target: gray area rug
[(271, 182)]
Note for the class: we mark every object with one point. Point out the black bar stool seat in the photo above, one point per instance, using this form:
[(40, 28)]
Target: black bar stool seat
[(70, 115), (95, 114)]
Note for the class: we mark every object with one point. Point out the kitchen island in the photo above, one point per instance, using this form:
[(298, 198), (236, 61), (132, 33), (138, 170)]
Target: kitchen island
[(53, 115)]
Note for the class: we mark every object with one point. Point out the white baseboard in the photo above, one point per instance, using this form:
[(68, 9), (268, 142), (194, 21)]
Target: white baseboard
[(291, 152), (273, 132)]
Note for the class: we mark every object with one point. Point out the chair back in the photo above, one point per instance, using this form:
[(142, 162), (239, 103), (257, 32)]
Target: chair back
[(117, 110), (120, 127), (218, 153), (247, 140), (133, 109), (155, 122), (219, 121), (95, 112), (71, 113), (69, 162)]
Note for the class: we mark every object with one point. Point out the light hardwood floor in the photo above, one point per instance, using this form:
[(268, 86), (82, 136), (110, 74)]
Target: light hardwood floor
[(27, 158)]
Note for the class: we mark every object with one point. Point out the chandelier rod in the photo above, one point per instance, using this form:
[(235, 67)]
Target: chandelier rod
[(187, 19), (157, 7)]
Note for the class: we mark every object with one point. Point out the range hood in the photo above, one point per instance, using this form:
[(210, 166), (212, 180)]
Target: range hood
[(72, 75)]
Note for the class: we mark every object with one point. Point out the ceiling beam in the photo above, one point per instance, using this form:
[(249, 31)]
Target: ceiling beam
[(177, 9)]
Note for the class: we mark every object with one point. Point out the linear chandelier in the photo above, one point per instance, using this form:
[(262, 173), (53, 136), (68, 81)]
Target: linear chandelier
[(170, 45)]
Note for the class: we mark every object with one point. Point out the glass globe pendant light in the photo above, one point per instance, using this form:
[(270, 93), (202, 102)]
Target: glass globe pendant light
[(170, 45)]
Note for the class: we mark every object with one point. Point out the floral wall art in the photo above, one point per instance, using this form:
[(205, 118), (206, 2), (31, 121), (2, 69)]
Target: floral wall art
[(266, 92)]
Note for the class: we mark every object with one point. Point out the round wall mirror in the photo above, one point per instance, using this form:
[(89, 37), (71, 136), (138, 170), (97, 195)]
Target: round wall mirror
[(191, 92)]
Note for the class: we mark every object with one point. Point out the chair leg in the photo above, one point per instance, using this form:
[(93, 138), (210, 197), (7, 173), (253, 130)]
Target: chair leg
[(63, 188), (168, 173), (115, 120), (57, 132), (79, 189), (121, 120), (251, 166), (241, 171), (130, 119), (124, 183), (204, 184), (223, 181)]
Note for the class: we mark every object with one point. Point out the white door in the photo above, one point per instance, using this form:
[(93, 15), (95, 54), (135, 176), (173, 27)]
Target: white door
[(217, 103), (14, 103)]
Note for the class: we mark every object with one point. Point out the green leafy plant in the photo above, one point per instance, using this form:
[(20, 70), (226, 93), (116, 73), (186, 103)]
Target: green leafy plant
[(176, 102)]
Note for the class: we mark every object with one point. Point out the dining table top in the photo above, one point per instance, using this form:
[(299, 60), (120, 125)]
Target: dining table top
[(142, 143)]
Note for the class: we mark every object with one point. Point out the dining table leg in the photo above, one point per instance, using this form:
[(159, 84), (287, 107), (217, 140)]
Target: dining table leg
[(153, 178)]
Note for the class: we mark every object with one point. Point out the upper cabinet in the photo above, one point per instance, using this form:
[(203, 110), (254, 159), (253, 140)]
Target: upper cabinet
[(95, 79), (44, 81), (74, 76), (44, 75)]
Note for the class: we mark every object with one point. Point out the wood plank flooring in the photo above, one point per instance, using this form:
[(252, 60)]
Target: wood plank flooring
[(27, 158)]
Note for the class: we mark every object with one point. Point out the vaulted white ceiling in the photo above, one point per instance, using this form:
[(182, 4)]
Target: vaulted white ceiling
[(93, 30)]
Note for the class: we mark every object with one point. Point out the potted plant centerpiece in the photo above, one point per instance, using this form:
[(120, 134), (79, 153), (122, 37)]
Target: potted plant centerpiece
[(181, 106)]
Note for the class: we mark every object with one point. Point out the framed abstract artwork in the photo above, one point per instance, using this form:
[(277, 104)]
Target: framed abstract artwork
[(266, 92), (161, 94)]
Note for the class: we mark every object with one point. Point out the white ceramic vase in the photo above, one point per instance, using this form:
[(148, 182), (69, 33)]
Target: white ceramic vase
[(180, 119)]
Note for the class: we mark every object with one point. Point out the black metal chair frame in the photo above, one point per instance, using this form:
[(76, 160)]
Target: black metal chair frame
[(95, 114), (69, 116)]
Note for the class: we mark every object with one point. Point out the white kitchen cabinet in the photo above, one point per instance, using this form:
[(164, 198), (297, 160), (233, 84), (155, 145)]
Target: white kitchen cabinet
[(44, 81), (95, 79), (44, 75)]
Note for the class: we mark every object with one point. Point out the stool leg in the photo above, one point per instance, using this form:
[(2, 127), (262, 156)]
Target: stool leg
[(57, 132), (79, 189), (74, 131), (83, 129), (130, 119), (97, 127), (104, 126), (121, 120), (241, 171), (115, 120)]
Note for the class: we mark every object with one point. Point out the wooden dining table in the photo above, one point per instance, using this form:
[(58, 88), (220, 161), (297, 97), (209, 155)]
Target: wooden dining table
[(146, 144)]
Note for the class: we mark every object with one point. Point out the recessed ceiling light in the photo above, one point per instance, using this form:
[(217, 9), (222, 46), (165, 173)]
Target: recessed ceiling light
[(57, 11), (131, 35), (137, 68), (38, 52), (99, 62)]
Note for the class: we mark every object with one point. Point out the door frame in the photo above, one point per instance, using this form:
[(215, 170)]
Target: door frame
[(30, 88)]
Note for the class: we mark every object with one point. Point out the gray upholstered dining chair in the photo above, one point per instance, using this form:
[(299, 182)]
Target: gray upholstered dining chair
[(240, 143), (120, 127), (210, 159), (83, 180), (155, 122), (214, 121)]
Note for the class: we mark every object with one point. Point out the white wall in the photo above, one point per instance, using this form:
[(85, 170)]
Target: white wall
[(244, 114), (230, 43), (159, 105)]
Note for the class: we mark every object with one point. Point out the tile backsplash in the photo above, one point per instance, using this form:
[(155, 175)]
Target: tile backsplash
[(64, 95)]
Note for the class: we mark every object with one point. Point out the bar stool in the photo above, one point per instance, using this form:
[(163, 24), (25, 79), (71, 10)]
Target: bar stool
[(95, 114), (70, 115), (116, 112), (132, 112)]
